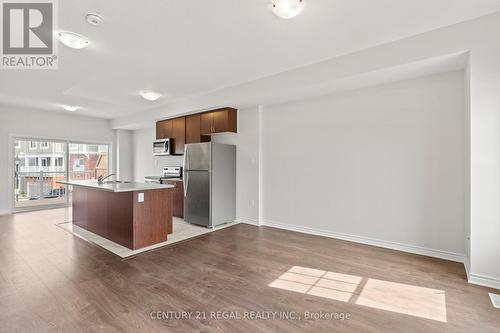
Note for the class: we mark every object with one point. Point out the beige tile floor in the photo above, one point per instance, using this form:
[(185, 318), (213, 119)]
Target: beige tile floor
[(181, 231)]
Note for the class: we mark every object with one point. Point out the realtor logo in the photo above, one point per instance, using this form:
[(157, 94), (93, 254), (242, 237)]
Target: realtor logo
[(27, 34)]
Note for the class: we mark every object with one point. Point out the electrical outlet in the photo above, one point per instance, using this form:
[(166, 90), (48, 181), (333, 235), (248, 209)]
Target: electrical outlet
[(140, 197)]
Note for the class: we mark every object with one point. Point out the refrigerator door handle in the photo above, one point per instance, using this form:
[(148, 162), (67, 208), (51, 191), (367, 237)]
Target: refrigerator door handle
[(185, 162), (185, 183)]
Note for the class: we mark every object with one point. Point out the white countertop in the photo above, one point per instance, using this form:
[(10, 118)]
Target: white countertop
[(117, 187)]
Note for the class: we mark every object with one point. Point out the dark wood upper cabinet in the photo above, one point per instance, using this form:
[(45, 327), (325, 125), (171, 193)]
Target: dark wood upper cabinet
[(164, 129), (196, 128), (193, 134), (173, 129), (206, 123), (219, 121), (179, 134)]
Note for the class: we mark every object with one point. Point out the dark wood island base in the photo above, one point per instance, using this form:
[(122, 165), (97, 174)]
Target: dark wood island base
[(121, 218)]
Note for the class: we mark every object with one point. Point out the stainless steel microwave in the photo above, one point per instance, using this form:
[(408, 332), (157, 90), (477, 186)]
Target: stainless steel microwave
[(162, 147)]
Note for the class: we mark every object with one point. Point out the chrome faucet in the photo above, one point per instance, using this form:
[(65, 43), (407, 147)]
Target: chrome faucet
[(100, 180)]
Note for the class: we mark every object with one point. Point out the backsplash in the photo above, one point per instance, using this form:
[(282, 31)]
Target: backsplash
[(163, 161)]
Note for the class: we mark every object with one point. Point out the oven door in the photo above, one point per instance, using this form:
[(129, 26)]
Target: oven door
[(152, 180), (161, 147)]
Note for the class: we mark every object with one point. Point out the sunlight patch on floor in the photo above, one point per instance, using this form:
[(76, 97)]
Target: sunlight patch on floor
[(495, 300), (384, 295)]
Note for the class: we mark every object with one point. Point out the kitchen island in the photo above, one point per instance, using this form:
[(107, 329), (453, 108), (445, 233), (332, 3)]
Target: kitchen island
[(131, 214)]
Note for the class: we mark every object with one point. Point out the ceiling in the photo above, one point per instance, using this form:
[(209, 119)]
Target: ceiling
[(188, 48)]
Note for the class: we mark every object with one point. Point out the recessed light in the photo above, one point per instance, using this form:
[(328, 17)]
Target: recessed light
[(71, 108), (93, 18), (150, 95), (73, 40), (287, 9)]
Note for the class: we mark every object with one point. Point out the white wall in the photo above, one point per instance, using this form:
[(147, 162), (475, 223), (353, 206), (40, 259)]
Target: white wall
[(43, 124), (384, 163), (124, 155)]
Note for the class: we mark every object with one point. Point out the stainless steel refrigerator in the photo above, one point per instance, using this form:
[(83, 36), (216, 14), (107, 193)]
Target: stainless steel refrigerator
[(209, 184)]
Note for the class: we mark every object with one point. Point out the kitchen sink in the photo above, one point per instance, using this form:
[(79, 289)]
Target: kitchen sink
[(116, 182)]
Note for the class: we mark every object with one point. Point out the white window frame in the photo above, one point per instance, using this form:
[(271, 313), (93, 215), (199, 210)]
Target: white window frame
[(31, 145), (44, 145)]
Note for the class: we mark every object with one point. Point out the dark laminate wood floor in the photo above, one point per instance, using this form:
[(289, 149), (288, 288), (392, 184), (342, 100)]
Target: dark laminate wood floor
[(53, 281)]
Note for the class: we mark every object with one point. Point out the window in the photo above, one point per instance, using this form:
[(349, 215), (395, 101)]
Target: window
[(39, 164), (45, 161), (88, 161), (32, 161), (58, 161)]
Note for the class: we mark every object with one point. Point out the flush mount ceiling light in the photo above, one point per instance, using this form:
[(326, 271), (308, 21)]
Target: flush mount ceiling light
[(71, 108), (73, 40), (287, 9), (150, 95), (93, 18)]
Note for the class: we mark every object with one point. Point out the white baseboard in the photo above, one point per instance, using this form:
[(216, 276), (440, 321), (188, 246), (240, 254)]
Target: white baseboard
[(247, 221), (481, 280), (4, 212), (458, 257), (485, 281), (467, 270)]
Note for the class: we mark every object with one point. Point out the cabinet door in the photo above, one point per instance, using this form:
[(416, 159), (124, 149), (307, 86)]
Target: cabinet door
[(164, 129), (224, 120), (179, 134), (178, 198), (220, 121), (193, 128), (207, 123)]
